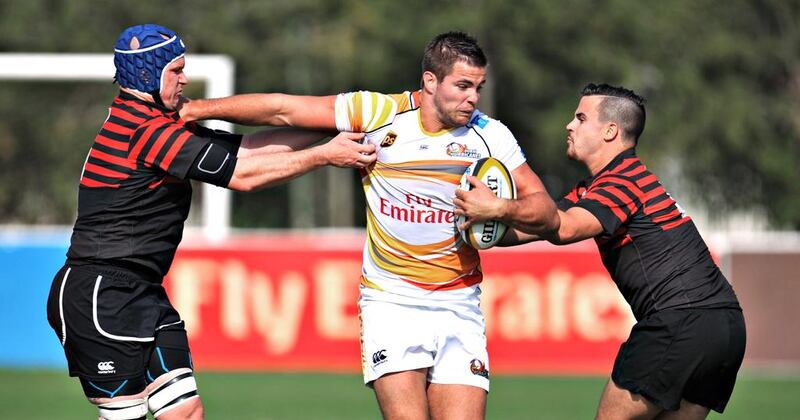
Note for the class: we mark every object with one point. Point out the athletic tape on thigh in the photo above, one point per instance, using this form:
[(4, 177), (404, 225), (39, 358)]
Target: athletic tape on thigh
[(172, 393), (123, 410), (165, 359)]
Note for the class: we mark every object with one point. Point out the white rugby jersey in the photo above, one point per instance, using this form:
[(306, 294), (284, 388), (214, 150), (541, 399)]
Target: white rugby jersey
[(413, 247)]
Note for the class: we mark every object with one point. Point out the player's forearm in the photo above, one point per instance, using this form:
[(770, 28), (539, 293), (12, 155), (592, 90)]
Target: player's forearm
[(534, 214), (248, 109), (564, 236), (517, 237), (575, 225), (279, 140), (265, 170), (275, 109)]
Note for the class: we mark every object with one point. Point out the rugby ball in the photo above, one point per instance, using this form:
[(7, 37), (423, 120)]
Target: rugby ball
[(497, 177)]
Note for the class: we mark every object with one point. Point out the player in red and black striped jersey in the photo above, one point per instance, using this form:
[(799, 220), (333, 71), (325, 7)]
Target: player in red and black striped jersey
[(120, 334), (685, 350), (649, 246), (134, 192)]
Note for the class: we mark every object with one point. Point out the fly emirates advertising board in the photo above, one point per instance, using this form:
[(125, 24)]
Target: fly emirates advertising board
[(289, 303)]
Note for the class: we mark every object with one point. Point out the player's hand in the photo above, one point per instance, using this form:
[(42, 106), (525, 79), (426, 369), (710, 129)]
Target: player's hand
[(478, 205), (346, 151), (184, 109)]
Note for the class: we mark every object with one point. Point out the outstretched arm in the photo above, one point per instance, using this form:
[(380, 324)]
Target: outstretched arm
[(266, 169), (277, 109), (279, 140), (577, 224)]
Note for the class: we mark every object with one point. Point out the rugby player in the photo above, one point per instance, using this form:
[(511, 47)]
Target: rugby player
[(423, 339), (683, 354), (120, 334)]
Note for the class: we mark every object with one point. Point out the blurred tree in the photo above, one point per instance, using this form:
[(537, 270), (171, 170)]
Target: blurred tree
[(723, 85)]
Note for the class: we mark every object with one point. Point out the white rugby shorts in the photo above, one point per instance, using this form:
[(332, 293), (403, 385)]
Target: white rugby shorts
[(447, 337)]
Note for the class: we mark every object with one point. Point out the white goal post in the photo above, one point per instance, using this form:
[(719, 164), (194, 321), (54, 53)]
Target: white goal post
[(217, 71)]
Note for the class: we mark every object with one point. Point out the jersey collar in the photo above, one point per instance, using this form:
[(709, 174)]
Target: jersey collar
[(625, 154), (125, 96)]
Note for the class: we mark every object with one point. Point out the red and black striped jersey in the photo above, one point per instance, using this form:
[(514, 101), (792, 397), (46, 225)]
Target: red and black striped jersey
[(651, 249), (134, 194)]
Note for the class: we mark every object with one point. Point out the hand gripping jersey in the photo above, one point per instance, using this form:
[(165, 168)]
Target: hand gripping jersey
[(413, 248)]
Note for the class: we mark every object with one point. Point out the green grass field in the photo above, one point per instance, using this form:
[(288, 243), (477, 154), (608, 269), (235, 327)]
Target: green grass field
[(53, 395)]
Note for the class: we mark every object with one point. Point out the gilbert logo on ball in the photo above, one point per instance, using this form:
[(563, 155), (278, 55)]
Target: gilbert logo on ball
[(496, 176)]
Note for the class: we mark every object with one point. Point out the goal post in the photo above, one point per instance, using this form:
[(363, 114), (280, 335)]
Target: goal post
[(217, 71)]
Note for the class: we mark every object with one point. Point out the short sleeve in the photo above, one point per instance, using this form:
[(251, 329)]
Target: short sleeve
[(167, 145), (568, 201), (613, 200), (365, 111), (229, 141)]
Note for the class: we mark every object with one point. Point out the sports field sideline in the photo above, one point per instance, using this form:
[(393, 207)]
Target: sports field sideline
[(51, 395)]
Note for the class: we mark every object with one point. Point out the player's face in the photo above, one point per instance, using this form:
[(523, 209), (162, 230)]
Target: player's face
[(585, 131), (458, 93), (172, 81)]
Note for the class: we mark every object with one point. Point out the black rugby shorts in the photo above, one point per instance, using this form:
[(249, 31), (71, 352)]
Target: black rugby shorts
[(691, 354), (115, 325)]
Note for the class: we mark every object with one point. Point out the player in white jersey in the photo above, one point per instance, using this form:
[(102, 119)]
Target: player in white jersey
[(413, 252), (423, 333)]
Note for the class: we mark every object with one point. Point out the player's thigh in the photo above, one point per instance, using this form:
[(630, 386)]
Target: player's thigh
[(172, 392), (120, 333), (130, 406), (719, 335), (461, 355), (394, 338), (401, 395), (106, 322), (117, 399), (657, 359), (618, 403), (688, 411), (456, 402)]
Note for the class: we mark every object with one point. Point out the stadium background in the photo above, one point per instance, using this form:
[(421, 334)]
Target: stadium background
[(271, 309)]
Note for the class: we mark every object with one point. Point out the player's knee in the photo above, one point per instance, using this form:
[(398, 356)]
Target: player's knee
[(178, 388), (134, 409)]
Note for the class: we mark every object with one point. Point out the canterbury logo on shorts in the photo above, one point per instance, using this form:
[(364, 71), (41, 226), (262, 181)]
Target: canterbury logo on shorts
[(106, 367), (379, 357)]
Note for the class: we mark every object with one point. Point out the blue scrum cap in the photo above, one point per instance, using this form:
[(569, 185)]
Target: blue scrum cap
[(141, 66)]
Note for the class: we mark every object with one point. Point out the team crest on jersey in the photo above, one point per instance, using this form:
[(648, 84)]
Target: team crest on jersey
[(389, 139), (460, 150), (477, 367)]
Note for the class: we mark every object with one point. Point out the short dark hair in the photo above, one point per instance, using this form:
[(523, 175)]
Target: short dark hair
[(621, 105), (446, 49)]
